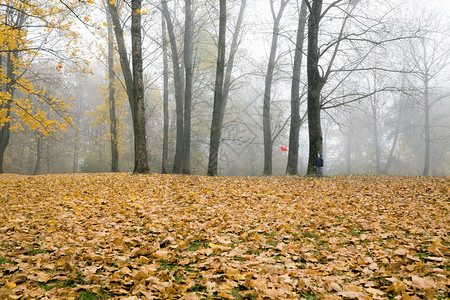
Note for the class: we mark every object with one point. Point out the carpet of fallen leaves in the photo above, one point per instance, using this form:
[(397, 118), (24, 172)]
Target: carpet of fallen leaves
[(123, 236)]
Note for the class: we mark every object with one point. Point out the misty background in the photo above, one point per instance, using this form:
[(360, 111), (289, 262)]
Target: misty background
[(388, 85)]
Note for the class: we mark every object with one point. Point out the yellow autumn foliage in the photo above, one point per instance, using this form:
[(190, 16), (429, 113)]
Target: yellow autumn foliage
[(21, 102)]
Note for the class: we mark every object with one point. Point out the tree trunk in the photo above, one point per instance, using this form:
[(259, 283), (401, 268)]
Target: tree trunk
[(394, 144), (230, 63), (218, 96), (75, 145), (375, 134), (179, 148), (267, 133), (47, 157), (37, 166), (3, 129), (315, 84), (292, 162), (9, 91), (111, 98), (165, 154), (229, 67), (141, 155), (427, 125), (348, 155), (188, 49), (134, 82), (4, 137), (396, 133)]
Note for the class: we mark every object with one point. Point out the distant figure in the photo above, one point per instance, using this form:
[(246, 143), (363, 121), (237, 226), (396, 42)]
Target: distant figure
[(319, 165)]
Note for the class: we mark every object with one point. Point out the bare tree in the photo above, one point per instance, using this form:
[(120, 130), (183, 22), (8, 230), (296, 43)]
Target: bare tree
[(165, 154), (296, 121), (178, 80), (111, 96), (316, 81), (428, 58), (267, 133), (133, 81), (218, 93), (230, 62), (188, 65)]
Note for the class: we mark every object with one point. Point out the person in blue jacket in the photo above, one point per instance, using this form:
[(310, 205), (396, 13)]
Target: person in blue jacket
[(319, 165)]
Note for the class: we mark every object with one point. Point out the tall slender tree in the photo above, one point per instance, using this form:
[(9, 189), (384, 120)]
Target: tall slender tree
[(316, 81), (133, 80), (179, 87), (296, 121), (218, 93), (6, 104), (230, 62), (111, 96), (188, 65), (165, 154), (267, 133)]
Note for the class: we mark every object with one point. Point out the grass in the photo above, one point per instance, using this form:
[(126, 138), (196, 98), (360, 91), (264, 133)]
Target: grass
[(308, 297), (195, 245), (87, 295)]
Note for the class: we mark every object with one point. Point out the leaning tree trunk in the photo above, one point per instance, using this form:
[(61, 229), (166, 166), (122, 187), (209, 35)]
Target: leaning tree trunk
[(178, 80), (315, 84), (111, 98), (133, 81), (165, 154), (229, 67), (292, 162), (230, 63), (218, 96), (188, 49), (267, 133)]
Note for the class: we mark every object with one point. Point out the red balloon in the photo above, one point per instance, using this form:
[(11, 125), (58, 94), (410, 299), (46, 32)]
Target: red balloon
[(283, 148)]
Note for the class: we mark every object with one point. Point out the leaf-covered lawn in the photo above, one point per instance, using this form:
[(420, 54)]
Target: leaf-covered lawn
[(103, 236)]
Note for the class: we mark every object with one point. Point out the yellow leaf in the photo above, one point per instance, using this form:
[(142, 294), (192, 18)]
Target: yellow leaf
[(10, 285), (86, 19), (211, 245)]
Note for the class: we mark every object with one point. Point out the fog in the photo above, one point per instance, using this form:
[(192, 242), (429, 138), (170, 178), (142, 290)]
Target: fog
[(385, 106)]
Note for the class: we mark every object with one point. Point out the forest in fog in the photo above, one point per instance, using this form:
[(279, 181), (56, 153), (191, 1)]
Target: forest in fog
[(218, 87)]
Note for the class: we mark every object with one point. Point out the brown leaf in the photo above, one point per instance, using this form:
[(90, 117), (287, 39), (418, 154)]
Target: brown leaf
[(423, 283)]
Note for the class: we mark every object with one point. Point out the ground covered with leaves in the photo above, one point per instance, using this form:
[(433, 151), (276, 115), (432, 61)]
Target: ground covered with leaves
[(102, 236)]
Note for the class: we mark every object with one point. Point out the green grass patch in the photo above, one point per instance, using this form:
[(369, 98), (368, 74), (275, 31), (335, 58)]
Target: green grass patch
[(195, 245), (310, 234), (309, 296), (197, 288), (86, 295), (355, 231), (36, 251)]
